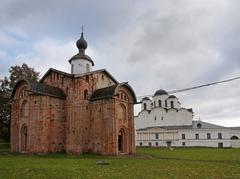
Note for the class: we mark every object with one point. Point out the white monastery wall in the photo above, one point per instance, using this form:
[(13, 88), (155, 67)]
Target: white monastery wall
[(163, 122)]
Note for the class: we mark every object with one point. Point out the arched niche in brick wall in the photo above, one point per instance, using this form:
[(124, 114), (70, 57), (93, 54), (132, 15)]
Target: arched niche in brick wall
[(24, 109), (21, 92), (123, 140), (122, 114)]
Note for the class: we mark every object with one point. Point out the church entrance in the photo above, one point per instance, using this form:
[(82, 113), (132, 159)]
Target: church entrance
[(122, 141), (24, 138), (169, 144)]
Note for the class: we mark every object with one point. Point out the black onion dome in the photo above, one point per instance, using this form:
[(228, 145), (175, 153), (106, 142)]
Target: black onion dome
[(81, 44), (172, 96), (145, 98), (160, 92)]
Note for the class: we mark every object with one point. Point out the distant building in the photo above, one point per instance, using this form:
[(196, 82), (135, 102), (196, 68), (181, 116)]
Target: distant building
[(162, 122), (81, 111)]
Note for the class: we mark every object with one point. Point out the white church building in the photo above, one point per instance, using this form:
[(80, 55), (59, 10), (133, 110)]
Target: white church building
[(162, 122)]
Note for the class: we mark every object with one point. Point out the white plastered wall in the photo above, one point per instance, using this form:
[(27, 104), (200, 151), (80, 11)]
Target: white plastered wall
[(79, 66)]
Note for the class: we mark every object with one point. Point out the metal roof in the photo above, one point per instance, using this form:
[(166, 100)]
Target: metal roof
[(160, 92), (109, 92), (81, 56), (41, 88), (204, 125)]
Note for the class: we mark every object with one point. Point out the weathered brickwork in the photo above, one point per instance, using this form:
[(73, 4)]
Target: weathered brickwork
[(69, 113)]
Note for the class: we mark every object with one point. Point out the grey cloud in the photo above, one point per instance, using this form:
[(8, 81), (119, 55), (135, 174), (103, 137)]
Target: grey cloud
[(168, 44), (60, 18), (4, 64)]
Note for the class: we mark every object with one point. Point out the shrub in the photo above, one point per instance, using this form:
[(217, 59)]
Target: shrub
[(5, 134)]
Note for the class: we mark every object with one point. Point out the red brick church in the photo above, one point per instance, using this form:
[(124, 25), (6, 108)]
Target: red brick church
[(81, 111)]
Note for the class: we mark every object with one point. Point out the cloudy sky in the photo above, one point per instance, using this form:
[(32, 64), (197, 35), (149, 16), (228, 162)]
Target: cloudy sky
[(162, 44)]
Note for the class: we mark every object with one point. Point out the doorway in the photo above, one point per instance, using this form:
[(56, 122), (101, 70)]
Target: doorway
[(220, 145), (24, 138), (120, 143), (169, 144)]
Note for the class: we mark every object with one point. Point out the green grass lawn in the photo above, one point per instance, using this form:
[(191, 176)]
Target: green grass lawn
[(148, 163)]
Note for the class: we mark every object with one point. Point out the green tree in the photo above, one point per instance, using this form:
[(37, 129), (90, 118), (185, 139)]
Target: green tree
[(6, 86), (5, 108), (24, 71), (5, 115)]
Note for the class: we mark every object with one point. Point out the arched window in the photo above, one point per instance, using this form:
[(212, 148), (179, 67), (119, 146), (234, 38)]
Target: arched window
[(172, 105), (159, 103), (199, 125), (144, 106), (85, 94), (22, 92), (208, 136), (234, 138), (71, 68), (87, 67), (219, 135), (166, 103), (87, 78), (24, 109)]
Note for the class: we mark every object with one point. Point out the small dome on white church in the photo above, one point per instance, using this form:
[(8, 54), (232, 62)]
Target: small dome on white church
[(172, 96), (160, 92), (145, 99), (81, 63)]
